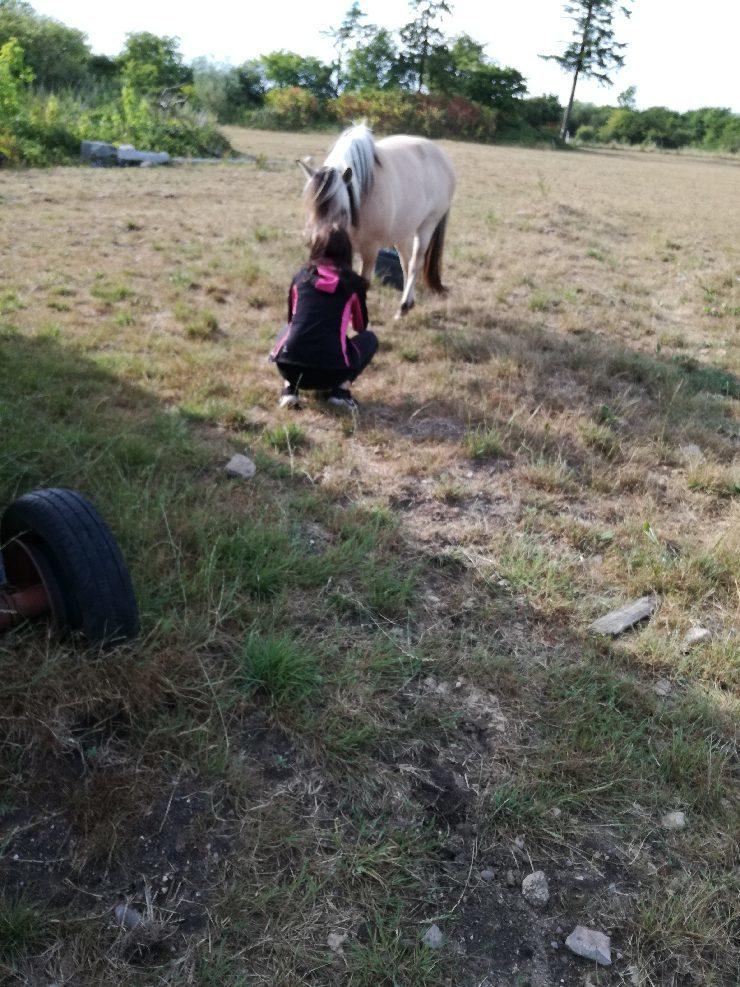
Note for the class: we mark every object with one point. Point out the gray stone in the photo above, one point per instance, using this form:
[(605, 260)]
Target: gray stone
[(695, 636), (673, 820), (241, 466), (128, 917), (662, 688), (590, 944), (98, 152), (128, 155), (487, 874), (510, 878), (535, 889), (433, 937), (621, 619)]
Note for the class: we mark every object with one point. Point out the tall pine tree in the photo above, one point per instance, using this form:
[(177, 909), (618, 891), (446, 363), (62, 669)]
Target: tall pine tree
[(421, 35), (593, 52)]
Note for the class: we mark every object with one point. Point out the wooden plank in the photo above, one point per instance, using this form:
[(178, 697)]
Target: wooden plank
[(617, 621)]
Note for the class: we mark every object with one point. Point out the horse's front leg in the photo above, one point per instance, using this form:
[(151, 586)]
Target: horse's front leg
[(410, 255), (369, 256)]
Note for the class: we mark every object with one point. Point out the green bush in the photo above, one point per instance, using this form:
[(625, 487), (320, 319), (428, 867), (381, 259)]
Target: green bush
[(39, 129), (586, 134), (293, 107)]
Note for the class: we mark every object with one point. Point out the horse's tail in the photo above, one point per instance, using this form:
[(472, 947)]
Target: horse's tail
[(433, 257)]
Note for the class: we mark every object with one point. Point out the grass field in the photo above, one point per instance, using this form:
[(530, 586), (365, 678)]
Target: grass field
[(365, 700)]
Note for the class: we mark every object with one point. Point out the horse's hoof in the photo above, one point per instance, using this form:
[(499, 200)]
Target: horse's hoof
[(404, 309)]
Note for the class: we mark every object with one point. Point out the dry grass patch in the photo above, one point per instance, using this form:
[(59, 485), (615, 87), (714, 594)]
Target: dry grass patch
[(364, 676)]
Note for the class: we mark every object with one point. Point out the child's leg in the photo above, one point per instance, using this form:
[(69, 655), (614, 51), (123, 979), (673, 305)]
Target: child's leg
[(364, 347)]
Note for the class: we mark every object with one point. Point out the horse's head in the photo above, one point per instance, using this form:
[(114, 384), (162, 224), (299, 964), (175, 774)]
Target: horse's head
[(328, 196)]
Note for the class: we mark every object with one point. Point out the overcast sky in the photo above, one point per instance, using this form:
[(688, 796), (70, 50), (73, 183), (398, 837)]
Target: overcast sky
[(681, 53)]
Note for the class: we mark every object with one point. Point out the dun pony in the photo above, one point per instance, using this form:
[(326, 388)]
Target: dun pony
[(393, 192)]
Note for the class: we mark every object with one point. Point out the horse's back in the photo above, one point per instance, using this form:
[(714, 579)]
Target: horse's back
[(422, 153), (416, 174)]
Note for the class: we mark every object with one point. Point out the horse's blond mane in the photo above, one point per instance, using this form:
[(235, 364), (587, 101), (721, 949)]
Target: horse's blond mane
[(355, 149)]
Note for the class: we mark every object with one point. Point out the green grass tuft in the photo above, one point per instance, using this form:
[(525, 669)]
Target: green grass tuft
[(278, 668)]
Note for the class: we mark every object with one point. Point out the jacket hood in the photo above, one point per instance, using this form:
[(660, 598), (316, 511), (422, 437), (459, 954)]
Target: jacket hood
[(327, 279)]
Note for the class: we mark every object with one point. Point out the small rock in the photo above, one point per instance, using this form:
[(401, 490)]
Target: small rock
[(617, 621), (695, 636), (662, 688), (691, 453), (241, 466), (535, 889), (555, 812), (633, 972), (433, 937), (555, 944), (519, 842), (510, 879), (590, 944), (673, 820), (335, 941), (487, 874), (128, 917)]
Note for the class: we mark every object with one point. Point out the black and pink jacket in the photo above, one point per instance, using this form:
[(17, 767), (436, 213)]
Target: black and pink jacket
[(322, 304)]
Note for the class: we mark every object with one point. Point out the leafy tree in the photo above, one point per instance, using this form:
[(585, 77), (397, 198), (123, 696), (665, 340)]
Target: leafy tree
[(57, 55), (462, 69), (593, 52), (420, 36), (627, 99), (588, 115), (226, 91), (14, 77), (541, 111), (152, 63), (287, 69), (346, 37), (374, 64)]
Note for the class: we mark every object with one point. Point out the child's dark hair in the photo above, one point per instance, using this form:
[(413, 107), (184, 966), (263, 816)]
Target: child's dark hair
[(333, 244)]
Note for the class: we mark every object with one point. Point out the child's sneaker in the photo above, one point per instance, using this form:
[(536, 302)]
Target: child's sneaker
[(289, 397), (340, 397)]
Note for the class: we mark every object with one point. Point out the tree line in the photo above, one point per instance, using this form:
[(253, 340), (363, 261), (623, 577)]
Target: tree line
[(419, 78)]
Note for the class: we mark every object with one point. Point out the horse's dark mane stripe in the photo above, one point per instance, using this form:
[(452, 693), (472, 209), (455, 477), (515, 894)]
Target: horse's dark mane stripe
[(352, 205)]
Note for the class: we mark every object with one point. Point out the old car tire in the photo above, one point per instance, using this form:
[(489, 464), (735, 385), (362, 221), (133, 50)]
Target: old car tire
[(90, 580)]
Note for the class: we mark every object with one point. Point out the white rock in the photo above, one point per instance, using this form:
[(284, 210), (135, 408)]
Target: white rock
[(335, 940), (590, 944), (128, 917), (691, 453), (519, 842), (241, 466), (662, 688), (487, 874), (433, 937), (673, 820), (555, 812), (695, 636), (535, 889)]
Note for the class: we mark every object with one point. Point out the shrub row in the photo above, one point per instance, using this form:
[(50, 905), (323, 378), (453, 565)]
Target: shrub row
[(385, 110)]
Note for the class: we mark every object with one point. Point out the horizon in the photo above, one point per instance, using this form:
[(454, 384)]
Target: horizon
[(514, 39)]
